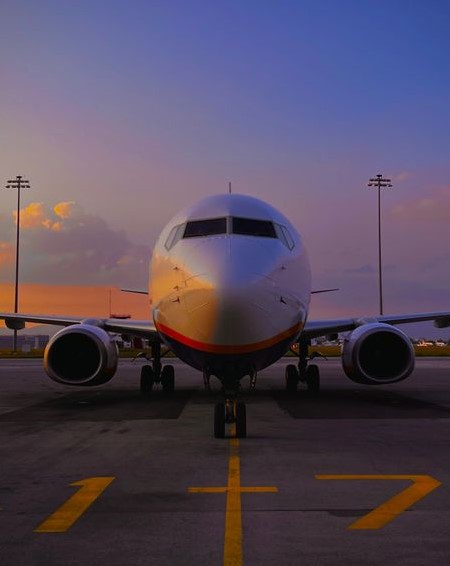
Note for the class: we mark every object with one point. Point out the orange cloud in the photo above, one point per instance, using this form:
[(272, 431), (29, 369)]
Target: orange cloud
[(67, 209), (34, 216), (63, 244)]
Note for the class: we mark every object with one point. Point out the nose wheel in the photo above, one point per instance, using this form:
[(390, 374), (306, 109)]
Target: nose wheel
[(230, 412)]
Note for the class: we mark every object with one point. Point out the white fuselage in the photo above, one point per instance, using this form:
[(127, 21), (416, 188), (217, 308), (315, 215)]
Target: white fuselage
[(230, 285)]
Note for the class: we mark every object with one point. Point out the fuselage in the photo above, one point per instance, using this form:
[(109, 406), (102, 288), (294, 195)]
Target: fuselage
[(230, 285)]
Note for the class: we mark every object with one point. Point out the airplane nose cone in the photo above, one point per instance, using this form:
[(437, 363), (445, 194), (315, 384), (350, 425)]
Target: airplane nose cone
[(233, 298), (229, 262)]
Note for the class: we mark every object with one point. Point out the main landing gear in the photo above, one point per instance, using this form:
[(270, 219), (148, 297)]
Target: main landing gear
[(230, 411), (156, 373), (306, 373)]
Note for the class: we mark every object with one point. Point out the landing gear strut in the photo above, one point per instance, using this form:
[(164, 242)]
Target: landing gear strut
[(155, 373), (253, 377), (230, 411), (306, 373)]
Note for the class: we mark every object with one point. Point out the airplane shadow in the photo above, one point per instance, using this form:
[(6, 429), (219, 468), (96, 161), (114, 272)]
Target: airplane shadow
[(103, 405), (358, 404), (122, 404)]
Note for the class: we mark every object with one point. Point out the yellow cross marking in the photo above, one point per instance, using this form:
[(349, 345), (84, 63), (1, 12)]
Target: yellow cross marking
[(232, 548), (386, 512)]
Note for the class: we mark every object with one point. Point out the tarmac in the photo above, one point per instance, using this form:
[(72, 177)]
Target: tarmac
[(358, 475)]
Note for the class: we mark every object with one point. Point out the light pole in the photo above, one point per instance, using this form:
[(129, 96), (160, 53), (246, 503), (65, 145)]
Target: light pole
[(17, 183), (380, 183)]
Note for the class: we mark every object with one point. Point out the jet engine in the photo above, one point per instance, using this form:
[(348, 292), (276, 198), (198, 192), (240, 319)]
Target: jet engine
[(377, 354), (82, 354)]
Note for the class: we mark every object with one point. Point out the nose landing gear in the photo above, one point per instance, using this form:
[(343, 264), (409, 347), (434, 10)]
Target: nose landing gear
[(230, 412)]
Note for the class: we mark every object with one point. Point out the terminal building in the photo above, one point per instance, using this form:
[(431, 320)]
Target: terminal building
[(25, 342)]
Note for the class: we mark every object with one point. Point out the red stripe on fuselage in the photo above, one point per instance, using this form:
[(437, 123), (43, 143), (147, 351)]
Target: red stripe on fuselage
[(228, 349)]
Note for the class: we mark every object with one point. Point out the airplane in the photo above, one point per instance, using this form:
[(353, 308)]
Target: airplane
[(230, 287)]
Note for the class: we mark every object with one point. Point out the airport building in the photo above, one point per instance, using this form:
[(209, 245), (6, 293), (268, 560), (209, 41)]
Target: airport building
[(25, 342)]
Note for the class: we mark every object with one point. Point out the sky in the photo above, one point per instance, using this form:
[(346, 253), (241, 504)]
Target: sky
[(121, 113)]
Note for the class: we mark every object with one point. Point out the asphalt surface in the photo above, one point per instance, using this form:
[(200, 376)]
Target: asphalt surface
[(153, 450)]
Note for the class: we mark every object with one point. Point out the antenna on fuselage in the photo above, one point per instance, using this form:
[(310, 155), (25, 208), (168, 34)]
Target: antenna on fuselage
[(229, 187)]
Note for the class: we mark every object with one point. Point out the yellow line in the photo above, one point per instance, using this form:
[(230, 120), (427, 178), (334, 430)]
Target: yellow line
[(70, 511), (268, 489), (232, 547), (259, 490), (386, 512), (207, 489), (232, 550)]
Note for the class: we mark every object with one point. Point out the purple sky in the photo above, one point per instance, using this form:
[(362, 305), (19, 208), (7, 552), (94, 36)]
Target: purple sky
[(134, 109)]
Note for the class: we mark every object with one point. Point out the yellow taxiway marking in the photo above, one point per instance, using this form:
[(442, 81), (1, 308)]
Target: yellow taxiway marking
[(70, 511), (422, 485), (232, 548)]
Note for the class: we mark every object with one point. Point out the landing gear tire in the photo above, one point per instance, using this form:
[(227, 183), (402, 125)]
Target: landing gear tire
[(241, 420), (219, 420), (313, 379), (292, 378), (147, 379), (168, 379)]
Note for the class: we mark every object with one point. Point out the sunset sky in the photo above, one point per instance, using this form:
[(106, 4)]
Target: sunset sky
[(121, 113)]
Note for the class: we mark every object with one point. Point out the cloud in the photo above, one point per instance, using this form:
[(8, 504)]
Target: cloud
[(34, 216), (67, 209), (63, 244), (435, 207)]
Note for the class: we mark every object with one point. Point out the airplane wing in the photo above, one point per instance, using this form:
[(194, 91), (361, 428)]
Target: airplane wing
[(314, 328), (142, 328)]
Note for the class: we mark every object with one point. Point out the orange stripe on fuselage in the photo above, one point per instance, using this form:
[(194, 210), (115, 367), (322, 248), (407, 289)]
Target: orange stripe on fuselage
[(228, 349)]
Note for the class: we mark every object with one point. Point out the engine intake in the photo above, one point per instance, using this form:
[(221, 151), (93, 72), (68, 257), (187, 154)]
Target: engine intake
[(377, 354), (81, 354)]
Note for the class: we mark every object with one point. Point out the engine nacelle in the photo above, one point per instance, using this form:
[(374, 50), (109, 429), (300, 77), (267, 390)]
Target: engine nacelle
[(82, 354), (377, 354)]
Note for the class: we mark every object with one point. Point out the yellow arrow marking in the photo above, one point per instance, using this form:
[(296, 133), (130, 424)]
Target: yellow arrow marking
[(388, 511), (70, 511), (232, 548)]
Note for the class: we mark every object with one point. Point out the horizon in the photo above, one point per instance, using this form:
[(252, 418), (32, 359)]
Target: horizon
[(54, 300)]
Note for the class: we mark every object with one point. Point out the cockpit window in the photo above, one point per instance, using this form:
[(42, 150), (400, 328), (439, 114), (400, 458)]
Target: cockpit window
[(175, 235), (209, 227), (285, 236), (230, 225), (253, 227)]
